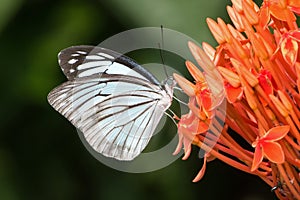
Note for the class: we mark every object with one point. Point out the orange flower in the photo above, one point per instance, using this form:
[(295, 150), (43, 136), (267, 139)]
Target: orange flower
[(233, 94), (280, 11), (201, 106), (268, 147), (187, 129), (208, 83), (201, 90), (289, 46), (232, 85), (198, 91), (266, 81), (196, 121), (283, 10)]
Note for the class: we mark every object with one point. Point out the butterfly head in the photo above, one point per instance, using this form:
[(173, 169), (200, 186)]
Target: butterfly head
[(168, 84)]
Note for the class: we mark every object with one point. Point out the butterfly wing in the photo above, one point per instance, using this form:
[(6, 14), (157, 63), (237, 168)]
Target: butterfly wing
[(115, 102), (117, 114), (84, 61)]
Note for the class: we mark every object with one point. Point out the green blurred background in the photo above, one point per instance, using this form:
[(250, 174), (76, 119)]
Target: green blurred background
[(41, 155)]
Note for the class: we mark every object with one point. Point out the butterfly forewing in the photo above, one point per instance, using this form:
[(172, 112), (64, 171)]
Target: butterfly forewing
[(112, 100), (84, 61)]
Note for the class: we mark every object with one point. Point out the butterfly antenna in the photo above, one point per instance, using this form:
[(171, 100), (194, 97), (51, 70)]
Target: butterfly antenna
[(162, 48)]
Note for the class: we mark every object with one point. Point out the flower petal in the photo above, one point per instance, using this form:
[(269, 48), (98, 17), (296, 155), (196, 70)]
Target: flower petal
[(209, 50), (233, 94), (179, 145), (195, 72), (230, 76), (201, 172), (281, 13), (294, 5), (295, 35), (289, 50), (215, 30), (204, 99), (265, 81), (187, 145), (203, 126), (295, 10), (258, 157), (264, 16), (186, 85), (276, 133), (250, 12), (274, 152)]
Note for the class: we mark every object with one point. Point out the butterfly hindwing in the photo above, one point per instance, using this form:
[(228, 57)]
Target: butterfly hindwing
[(117, 114)]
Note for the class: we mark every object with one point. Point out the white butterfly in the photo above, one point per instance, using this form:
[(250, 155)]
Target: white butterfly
[(111, 99)]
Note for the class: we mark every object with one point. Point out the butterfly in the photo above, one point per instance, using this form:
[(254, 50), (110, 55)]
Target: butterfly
[(112, 100)]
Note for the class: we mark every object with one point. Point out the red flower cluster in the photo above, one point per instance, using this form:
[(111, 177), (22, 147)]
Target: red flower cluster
[(257, 68)]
